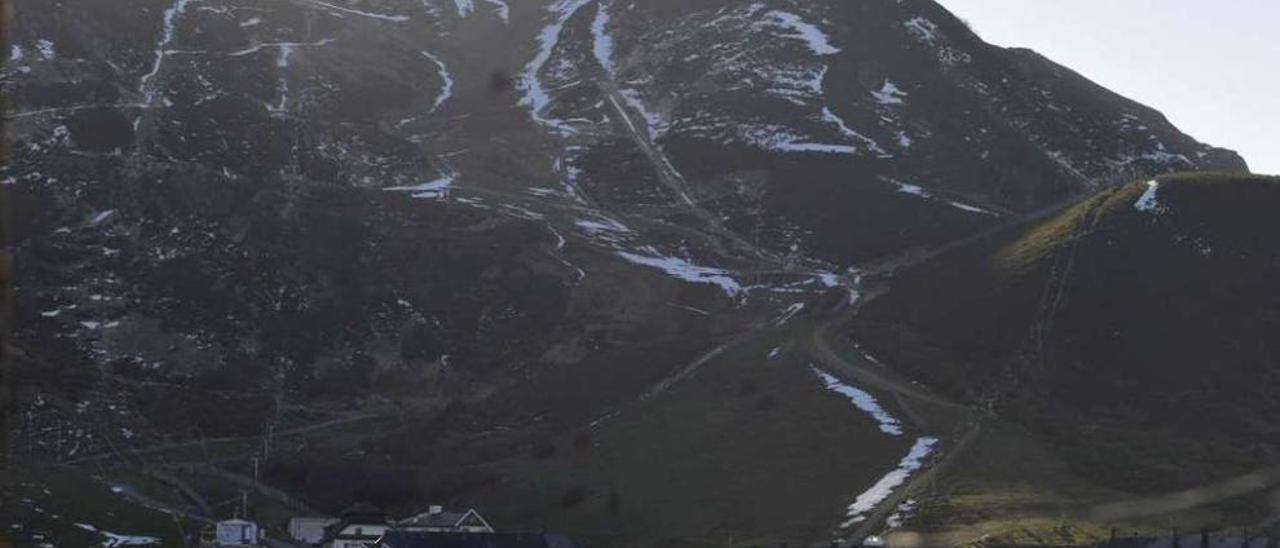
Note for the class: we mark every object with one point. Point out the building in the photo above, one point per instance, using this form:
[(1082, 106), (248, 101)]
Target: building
[(236, 533), (309, 531), (438, 520), (359, 526), (423, 539)]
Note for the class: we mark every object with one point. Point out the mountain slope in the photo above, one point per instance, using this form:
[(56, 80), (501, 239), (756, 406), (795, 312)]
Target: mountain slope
[(1135, 328), (850, 129), (426, 235)]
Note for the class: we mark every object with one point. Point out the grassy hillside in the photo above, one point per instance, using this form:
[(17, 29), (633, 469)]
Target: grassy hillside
[(1134, 331)]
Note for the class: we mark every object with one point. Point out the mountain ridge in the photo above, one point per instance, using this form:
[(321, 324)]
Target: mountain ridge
[(462, 242)]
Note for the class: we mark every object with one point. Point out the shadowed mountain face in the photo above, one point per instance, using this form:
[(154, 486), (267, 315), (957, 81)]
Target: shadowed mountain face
[(1135, 328), (231, 214)]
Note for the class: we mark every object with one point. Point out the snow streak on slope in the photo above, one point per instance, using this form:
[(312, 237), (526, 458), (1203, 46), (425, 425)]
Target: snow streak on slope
[(115, 539), (536, 97), (867, 501), (602, 44), (432, 190), (341, 10), (464, 7), (1148, 201), (503, 10), (446, 90), (811, 35), (689, 272), (831, 117), (862, 400), (282, 62), (889, 94), (167, 32), (283, 45), (917, 190), (923, 30), (772, 68)]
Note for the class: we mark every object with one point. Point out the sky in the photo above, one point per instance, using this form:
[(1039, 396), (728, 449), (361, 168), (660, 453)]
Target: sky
[(1211, 66)]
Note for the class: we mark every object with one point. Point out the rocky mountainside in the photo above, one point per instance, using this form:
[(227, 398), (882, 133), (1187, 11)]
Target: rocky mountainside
[(1167, 387), (425, 219)]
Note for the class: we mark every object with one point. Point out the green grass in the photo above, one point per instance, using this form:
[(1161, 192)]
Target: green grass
[(1011, 489), (47, 503), (748, 450), (1156, 360)]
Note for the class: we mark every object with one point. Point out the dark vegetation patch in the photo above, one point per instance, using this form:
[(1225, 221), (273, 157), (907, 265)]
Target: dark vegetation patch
[(100, 129)]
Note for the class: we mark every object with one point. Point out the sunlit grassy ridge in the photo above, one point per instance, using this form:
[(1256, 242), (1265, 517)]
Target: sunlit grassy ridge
[(1139, 342)]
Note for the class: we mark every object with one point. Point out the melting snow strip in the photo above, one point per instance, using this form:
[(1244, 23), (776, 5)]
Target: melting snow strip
[(464, 7), (1148, 201), (166, 38), (831, 117), (536, 97), (812, 36), (922, 29), (446, 91), (918, 190), (889, 94), (862, 400), (114, 539), (434, 190), (371, 15), (684, 270), (868, 500), (283, 45), (789, 313), (602, 44), (504, 10)]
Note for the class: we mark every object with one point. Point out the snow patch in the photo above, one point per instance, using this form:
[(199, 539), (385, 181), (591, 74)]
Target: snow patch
[(602, 43), (789, 313), (46, 50), (602, 225), (862, 400), (684, 270), (812, 36), (503, 10), (282, 45), (369, 14), (166, 39), (464, 7), (922, 30), (889, 94), (783, 139), (98, 218), (433, 190), (832, 118), (114, 540), (536, 97), (446, 90), (917, 190), (252, 22), (867, 501), (654, 122), (901, 514), (1148, 202)]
